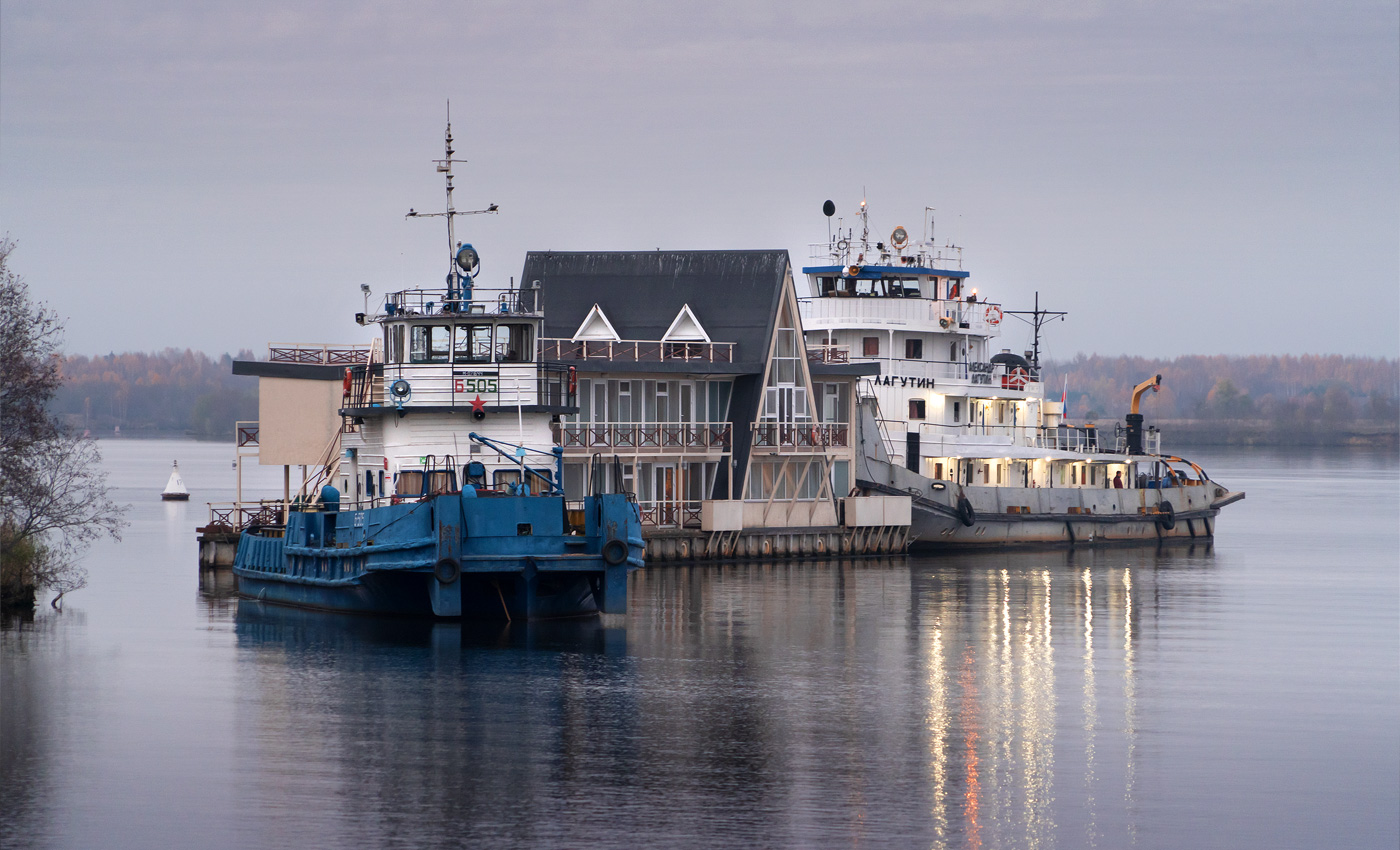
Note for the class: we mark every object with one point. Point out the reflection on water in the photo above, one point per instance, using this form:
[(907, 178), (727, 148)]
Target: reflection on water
[(979, 701), (1243, 696)]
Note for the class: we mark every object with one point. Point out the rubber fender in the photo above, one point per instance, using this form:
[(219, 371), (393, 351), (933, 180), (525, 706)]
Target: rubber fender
[(447, 570), (614, 552), (1166, 515), (966, 515)]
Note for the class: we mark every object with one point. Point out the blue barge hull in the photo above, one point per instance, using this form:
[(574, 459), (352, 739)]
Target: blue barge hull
[(450, 555)]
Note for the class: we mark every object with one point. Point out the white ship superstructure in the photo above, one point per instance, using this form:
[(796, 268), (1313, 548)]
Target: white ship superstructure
[(963, 425)]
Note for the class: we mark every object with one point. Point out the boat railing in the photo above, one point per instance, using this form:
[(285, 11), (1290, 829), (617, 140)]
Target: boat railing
[(1087, 439), (639, 435), (329, 354), (801, 435), (477, 300), (918, 253), (903, 313), (635, 350)]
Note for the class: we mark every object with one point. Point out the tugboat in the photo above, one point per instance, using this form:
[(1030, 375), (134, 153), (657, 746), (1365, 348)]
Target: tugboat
[(965, 429), (175, 488), (449, 510)]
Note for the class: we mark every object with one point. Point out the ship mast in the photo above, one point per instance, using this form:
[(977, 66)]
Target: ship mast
[(1038, 318), (444, 167)]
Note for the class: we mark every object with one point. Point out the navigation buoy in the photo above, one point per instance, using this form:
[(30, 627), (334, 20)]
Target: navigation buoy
[(175, 488)]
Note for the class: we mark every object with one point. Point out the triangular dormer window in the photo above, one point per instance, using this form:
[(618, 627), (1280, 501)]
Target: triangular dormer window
[(686, 328), (596, 327)]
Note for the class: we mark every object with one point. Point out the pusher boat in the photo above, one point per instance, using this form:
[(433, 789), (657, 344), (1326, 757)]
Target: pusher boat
[(447, 508)]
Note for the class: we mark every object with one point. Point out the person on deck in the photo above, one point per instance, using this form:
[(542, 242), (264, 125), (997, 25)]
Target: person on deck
[(1118, 480)]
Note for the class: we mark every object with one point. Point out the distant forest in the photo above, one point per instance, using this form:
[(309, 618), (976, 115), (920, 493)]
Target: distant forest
[(1307, 399), (1317, 399), (170, 391)]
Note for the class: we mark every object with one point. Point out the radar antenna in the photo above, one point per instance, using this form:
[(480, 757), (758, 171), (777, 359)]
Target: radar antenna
[(1038, 318)]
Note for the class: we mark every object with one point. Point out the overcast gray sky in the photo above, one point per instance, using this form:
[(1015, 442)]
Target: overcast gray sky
[(1182, 177)]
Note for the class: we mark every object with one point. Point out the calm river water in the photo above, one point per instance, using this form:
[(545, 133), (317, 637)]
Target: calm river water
[(1240, 695)]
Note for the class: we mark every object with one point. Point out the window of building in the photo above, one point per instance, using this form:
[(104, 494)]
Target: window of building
[(913, 349), (957, 412), (916, 408), (871, 346)]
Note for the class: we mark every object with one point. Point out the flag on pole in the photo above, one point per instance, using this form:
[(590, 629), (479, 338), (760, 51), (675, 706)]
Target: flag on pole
[(1064, 392)]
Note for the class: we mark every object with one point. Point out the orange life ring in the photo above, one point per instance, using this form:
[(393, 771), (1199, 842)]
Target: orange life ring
[(1017, 378), (993, 314), (573, 380), (346, 382)]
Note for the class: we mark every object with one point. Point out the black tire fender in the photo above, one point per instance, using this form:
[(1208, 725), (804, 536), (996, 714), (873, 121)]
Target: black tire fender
[(614, 552), (1166, 515), (966, 515), (447, 570)]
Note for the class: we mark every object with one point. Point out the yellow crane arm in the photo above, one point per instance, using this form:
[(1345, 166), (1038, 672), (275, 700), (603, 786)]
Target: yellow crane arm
[(1153, 383)]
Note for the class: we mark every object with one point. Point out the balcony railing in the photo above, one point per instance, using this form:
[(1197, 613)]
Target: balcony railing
[(235, 516), (829, 353), (670, 514), (245, 434), (808, 435), (636, 351), (636, 435), (325, 355)]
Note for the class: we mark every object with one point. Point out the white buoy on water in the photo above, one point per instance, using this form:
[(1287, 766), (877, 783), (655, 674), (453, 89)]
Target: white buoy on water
[(175, 488)]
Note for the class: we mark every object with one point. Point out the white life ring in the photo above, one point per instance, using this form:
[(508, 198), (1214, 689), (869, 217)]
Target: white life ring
[(993, 314)]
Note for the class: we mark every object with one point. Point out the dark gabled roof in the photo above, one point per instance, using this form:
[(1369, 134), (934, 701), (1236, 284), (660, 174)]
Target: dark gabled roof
[(734, 294)]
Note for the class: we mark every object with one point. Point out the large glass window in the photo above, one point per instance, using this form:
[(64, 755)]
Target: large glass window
[(429, 344)]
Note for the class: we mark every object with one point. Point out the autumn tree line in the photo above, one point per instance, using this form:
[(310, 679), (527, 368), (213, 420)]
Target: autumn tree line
[(1307, 399), (173, 391)]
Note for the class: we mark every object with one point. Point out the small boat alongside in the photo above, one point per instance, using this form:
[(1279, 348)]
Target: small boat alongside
[(445, 507), (966, 430), (175, 490)]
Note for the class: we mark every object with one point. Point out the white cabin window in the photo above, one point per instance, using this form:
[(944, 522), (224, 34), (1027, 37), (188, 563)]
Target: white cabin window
[(916, 408), (913, 349)]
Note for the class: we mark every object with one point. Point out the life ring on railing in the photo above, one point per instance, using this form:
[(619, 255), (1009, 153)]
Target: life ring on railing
[(993, 314), (614, 552), (346, 383), (1016, 379), (573, 380)]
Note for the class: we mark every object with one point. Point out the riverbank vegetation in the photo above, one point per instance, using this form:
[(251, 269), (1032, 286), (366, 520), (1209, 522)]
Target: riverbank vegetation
[(53, 490), (1254, 400)]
